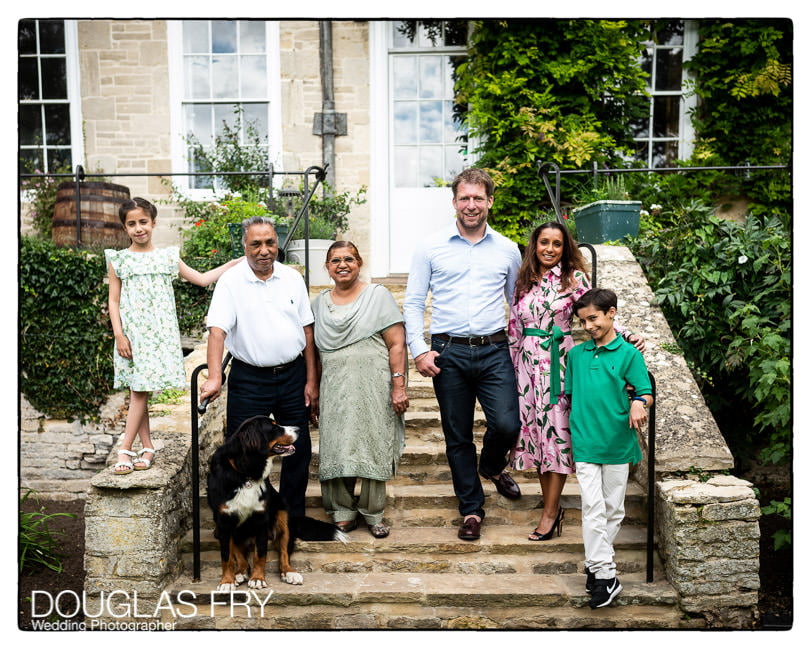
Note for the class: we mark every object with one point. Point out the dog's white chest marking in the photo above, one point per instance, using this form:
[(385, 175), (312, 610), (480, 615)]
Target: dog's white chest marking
[(248, 498)]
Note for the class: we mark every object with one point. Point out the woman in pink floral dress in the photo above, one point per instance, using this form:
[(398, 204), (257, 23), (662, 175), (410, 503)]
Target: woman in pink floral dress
[(551, 279)]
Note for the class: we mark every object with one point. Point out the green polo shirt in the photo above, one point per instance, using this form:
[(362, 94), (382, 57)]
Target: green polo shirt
[(596, 379)]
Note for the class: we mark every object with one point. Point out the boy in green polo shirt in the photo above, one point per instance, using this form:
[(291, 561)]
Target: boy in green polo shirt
[(603, 424)]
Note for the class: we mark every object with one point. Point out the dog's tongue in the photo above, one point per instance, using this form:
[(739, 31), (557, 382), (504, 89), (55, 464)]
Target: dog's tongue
[(279, 449)]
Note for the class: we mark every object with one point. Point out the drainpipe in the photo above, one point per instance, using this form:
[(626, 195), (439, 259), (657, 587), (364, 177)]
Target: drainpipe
[(328, 124)]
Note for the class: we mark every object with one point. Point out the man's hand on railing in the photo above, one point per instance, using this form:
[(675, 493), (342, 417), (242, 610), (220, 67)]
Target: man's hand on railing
[(210, 390)]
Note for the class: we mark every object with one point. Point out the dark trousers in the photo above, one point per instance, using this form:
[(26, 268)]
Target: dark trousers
[(483, 372), (262, 391)]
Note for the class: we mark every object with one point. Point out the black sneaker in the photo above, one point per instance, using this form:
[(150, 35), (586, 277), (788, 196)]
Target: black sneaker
[(604, 591), (590, 577)]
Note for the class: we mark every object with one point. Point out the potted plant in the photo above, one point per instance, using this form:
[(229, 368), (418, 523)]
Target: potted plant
[(328, 217), (608, 213)]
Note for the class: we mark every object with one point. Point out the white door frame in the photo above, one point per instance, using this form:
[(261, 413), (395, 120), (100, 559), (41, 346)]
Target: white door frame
[(379, 172)]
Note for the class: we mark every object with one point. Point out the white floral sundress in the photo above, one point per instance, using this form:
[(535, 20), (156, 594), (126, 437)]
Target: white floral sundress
[(149, 320)]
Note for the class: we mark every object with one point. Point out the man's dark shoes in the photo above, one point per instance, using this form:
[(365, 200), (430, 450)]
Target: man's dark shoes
[(505, 485), (470, 529)]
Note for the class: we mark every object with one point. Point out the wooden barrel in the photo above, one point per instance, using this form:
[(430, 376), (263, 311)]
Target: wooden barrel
[(100, 225)]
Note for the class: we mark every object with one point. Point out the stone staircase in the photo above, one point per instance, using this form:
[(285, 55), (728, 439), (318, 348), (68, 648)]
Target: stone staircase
[(422, 576)]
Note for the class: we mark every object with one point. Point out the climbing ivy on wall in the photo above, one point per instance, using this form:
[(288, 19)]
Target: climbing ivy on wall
[(560, 91), (742, 75), (66, 347)]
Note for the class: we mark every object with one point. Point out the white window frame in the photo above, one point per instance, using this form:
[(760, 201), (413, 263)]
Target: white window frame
[(174, 32), (442, 50), (687, 103), (73, 83)]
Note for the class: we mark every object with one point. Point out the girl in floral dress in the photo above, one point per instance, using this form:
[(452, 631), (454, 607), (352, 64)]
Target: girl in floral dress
[(142, 313), (551, 278)]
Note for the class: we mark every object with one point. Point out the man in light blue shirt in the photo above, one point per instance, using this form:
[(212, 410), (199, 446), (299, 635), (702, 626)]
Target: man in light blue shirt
[(469, 269)]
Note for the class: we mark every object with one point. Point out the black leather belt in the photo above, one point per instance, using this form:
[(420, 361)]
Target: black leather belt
[(272, 369), (474, 341)]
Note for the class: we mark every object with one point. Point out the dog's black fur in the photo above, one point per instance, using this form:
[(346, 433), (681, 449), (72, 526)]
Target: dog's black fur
[(248, 511)]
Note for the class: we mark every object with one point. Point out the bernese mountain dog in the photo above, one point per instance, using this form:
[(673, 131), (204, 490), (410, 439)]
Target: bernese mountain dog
[(249, 512)]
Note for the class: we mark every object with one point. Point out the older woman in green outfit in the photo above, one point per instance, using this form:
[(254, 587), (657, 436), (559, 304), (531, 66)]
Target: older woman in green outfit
[(360, 338)]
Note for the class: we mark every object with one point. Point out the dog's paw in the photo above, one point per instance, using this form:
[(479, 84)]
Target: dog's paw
[(240, 578), (292, 578), (257, 583), (226, 587)]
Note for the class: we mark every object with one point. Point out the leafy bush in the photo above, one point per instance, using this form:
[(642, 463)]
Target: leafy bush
[(237, 147), (782, 508), (66, 344), (40, 194), (559, 91), (328, 212), (725, 288), (38, 545), (207, 243)]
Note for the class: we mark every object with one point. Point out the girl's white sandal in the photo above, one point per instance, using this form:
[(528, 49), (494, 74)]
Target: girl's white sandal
[(142, 460), (127, 466)]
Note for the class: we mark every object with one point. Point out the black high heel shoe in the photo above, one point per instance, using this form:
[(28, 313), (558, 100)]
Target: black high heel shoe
[(535, 535)]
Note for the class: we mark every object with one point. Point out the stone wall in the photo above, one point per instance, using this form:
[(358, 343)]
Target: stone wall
[(709, 540), (58, 458), (302, 98), (125, 108), (134, 524), (707, 532)]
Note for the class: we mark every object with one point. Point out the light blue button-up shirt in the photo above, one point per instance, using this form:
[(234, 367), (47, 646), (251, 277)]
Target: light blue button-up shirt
[(468, 282)]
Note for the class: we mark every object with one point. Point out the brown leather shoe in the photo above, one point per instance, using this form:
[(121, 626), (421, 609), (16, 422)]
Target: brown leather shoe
[(470, 529), (505, 485)]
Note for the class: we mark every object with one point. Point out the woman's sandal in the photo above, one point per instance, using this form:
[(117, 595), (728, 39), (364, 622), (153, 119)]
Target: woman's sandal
[(123, 468), (347, 526), (557, 526), (379, 531), (142, 460)]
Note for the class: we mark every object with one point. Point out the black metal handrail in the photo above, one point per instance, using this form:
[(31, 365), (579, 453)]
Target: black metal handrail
[(651, 481), (554, 195), (593, 262), (198, 409)]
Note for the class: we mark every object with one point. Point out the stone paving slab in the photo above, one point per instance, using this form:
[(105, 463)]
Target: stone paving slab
[(495, 539), (433, 590), (403, 616)]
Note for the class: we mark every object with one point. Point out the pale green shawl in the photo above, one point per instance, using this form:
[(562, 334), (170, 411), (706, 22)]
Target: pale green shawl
[(373, 311)]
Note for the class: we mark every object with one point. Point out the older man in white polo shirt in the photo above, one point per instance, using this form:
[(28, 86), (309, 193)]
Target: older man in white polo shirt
[(261, 312)]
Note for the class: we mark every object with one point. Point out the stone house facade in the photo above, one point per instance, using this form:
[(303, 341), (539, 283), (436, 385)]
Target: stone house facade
[(131, 89)]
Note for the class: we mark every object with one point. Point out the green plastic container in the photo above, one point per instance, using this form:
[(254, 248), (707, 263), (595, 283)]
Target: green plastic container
[(607, 221)]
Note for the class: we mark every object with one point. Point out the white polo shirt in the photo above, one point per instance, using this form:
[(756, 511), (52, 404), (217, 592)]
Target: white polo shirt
[(263, 319)]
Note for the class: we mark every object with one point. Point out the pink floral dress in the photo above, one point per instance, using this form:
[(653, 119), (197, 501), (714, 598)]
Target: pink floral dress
[(544, 442)]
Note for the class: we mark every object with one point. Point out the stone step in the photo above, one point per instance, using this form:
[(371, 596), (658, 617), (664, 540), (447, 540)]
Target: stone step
[(418, 600), (438, 544), (403, 498), (538, 563)]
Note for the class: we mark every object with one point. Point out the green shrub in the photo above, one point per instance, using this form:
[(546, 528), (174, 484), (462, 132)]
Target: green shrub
[(550, 90), (237, 146), (66, 344), (782, 508), (38, 545), (725, 288), (40, 194)]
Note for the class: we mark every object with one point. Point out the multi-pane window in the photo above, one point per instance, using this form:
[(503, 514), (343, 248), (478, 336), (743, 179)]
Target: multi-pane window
[(661, 138), (225, 75), (44, 104), (427, 143)]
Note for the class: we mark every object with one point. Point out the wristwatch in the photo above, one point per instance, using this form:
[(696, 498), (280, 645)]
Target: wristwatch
[(643, 400), (396, 374)]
